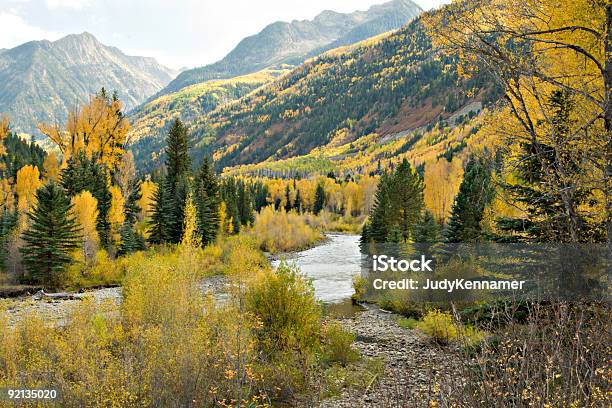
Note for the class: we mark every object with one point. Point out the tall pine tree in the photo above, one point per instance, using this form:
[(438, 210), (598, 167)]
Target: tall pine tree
[(177, 186), (207, 201), (475, 193), (319, 202), (51, 238), (161, 221)]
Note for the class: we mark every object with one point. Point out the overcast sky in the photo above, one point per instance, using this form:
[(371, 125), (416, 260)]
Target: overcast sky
[(176, 32)]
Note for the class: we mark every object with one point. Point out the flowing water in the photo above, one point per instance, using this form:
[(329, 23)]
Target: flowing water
[(332, 267)]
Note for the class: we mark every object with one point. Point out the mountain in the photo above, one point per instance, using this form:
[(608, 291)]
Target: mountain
[(40, 81), (152, 119), (292, 43), (389, 86)]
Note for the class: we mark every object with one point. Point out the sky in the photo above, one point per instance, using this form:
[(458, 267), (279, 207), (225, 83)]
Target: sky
[(178, 33)]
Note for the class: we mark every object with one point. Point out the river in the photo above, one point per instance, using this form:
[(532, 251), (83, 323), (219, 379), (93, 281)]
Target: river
[(331, 266)]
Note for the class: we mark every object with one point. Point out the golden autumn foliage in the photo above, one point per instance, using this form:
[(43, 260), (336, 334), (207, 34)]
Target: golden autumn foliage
[(51, 167), (279, 231), (145, 351), (97, 128), (85, 211), (28, 181), (442, 181), (116, 215), (147, 191), (4, 131)]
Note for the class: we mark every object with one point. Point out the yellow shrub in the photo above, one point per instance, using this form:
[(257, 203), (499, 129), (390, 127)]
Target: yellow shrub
[(279, 231), (439, 326)]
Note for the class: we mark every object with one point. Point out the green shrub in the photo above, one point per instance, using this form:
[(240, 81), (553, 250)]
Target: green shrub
[(338, 345), (284, 303)]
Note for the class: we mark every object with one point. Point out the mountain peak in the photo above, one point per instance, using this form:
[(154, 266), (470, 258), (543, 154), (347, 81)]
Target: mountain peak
[(292, 43), (65, 72)]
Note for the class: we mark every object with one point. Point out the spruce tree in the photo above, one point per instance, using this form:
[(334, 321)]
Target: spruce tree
[(379, 221), (8, 222), (178, 165), (398, 203), (475, 193), (161, 215), (207, 201), (548, 173), (178, 162), (426, 231), (288, 205), (298, 202), (406, 194), (51, 238), (319, 203)]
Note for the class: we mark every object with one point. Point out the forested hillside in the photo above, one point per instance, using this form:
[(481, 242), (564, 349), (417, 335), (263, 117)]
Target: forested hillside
[(389, 85), (152, 120)]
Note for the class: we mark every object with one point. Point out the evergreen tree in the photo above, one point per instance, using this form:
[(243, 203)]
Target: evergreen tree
[(288, 205), (51, 238), (181, 191), (131, 240), (207, 201), (406, 193), (557, 206), (298, 202), (426, 231), (132, 209), (8, 221), (379, 226), (83, 173), (260, 193), (475, 193), (178, 162), (398, 203), (245, 204), (161, 215), (319, 203), (178, 165)]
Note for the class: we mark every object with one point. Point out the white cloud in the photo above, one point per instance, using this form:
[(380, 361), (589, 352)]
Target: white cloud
[(14, 30), (71, 4)]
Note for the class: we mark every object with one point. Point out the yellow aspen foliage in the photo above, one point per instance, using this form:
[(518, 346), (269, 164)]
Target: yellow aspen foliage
[(223, 217), (51, 167), (116, 215), (98, 128), (4, 131), (442, 181), (147, 191), (28, 181), (85, 211), (190, 237)]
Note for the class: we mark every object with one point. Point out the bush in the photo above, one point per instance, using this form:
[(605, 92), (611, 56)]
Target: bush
[(338, 345), (283, 301), (283, 232), (439, 326)]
